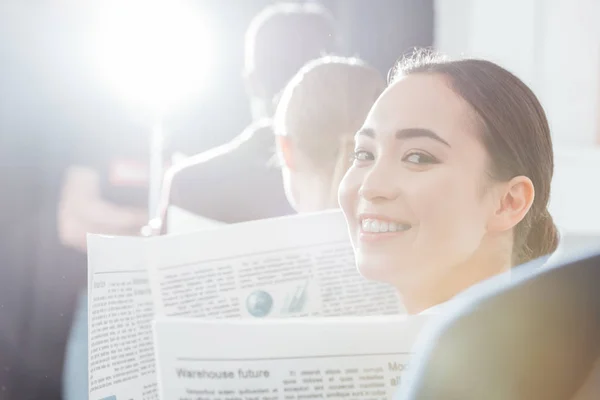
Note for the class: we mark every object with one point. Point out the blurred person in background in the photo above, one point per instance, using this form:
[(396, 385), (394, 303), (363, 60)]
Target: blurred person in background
[(320, 110), (450, 181), (51, 193), (236, 182), (216, 184)]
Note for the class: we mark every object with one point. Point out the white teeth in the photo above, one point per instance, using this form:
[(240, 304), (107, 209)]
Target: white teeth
[(377, 226), (374, 225), (383, 227), (366, 224)]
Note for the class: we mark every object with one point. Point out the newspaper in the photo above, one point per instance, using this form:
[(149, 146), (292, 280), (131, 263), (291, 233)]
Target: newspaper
[(282, 267), (286, 267), (346, 358), (120, 312)]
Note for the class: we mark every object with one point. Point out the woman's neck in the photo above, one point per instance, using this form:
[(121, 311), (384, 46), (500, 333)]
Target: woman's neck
[(314, 194), (420, 297)]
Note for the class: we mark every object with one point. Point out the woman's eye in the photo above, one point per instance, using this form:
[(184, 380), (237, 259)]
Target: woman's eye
[(420, 158), (363, 155)]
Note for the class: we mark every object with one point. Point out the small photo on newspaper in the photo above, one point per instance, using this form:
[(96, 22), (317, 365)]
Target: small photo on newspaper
[(338, 358)]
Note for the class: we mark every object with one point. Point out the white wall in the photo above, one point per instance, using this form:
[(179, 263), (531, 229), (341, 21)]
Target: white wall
[(575, 197), (569, 68), (552, 45)]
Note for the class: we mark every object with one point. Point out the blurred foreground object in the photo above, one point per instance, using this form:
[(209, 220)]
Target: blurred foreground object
[(535, 338)]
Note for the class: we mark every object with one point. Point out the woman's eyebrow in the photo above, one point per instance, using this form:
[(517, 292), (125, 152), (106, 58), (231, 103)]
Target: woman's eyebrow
[(408, 133), (366, 132)]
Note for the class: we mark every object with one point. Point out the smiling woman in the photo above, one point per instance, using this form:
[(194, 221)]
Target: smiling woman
[(450, 180)]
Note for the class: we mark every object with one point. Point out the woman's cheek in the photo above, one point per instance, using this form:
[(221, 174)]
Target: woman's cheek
[(348, 194)]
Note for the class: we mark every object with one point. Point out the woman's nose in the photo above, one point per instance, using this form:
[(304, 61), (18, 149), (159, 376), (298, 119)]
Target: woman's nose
[(379, 184)]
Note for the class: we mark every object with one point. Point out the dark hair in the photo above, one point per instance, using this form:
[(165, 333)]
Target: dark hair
[(282, 38), (323, 106), (515, 133)]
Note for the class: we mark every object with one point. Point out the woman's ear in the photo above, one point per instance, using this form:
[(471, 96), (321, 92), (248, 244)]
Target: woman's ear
[(513, 202), (286, 151)]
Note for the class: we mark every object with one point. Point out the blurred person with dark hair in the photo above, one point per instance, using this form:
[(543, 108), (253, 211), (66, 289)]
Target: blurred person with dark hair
[(51, 194), (320, 110), (235, 182)]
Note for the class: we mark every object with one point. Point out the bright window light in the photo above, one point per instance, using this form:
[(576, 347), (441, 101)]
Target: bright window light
[(153, 54)]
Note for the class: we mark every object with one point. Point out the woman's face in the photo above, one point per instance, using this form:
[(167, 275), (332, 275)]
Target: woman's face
[(414, 197)]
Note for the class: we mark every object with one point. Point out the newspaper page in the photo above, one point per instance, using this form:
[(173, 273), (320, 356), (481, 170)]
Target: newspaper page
[(294, 266), (289, 267), (336, 358), (182, 221), (120, 312)]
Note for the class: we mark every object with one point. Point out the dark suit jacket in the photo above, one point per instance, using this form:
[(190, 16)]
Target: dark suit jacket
[(534, 338), (236, 182)]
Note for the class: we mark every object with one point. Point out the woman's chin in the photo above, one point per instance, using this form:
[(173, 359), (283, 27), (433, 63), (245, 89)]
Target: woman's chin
[(377, 271), (394, 271)]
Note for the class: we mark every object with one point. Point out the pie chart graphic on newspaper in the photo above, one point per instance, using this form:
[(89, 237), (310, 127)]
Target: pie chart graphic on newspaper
[(259, 303)]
